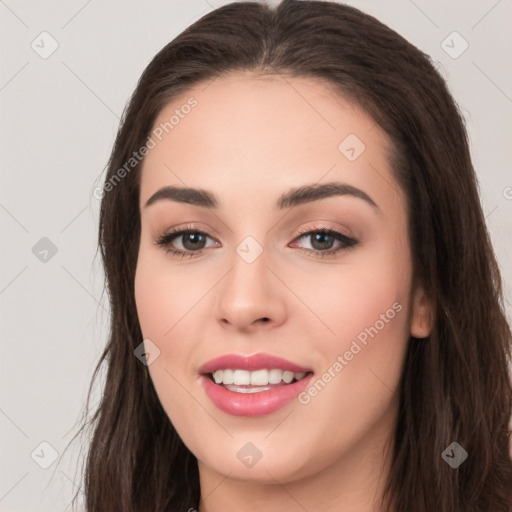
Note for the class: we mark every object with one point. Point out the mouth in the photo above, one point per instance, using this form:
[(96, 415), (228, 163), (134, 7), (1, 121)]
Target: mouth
[(245, 381), (254, 385)]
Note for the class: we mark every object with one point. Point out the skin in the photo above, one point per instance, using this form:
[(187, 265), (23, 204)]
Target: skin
[(250, 139)]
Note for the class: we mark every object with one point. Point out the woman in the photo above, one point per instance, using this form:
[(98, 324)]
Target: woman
[(306, 308)]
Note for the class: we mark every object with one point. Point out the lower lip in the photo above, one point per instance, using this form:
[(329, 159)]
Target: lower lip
[(253, 404)]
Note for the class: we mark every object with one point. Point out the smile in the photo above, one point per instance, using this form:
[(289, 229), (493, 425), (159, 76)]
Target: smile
[(252, 385), (245, 379)]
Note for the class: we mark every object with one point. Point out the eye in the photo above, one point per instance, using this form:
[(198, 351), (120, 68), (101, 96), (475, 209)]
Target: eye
[(324, 239), (193, 241)]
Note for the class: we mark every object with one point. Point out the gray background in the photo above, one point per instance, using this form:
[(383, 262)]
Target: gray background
[(59, 116)]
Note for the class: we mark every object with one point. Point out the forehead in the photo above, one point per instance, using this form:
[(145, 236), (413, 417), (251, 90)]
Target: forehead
[(264, 133)]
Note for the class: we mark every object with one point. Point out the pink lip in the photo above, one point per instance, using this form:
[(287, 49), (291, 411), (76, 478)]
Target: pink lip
[(254, 362), (252, 404)]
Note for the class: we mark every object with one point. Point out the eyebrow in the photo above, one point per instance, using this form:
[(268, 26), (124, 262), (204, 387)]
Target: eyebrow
[(294, 197)]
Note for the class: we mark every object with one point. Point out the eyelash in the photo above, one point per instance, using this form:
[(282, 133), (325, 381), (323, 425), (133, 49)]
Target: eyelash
[(165, 240)]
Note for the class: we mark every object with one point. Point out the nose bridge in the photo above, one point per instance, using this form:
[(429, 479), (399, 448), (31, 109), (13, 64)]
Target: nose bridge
[(250, 292), (250, 250), (248, 278)]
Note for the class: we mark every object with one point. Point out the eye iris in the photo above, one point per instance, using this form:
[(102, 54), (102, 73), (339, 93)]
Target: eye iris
[(197, 237), (322, 236)]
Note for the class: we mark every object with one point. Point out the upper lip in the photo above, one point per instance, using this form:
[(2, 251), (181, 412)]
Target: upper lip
[(252, 362)]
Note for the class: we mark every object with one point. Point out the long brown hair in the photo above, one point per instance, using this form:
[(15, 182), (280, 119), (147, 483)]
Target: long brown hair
[(455, 385)]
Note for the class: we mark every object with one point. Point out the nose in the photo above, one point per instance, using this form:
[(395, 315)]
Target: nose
[(251, 296)]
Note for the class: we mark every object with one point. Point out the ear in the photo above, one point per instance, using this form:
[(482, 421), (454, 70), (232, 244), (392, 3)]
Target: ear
[(421, 314)]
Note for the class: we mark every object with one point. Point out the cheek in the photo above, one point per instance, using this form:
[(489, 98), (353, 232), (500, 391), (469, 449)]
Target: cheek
[(163, 301), (164, 295), (367, 310), (374, 283)]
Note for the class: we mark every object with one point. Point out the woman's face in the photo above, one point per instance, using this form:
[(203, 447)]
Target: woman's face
[(257, 275)]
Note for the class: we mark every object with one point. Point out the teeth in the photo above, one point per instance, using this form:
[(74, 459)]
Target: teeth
[(255, 378), (227, 376), (218, 376), (259, 378), (241, 377), (275, 376), (287, 377)]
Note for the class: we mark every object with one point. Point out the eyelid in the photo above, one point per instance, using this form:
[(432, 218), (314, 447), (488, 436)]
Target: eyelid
[(303, 231), (347, 240), (176, 232), (325, 226)]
